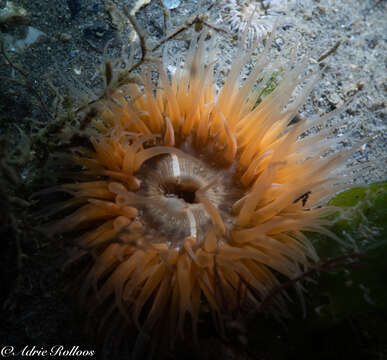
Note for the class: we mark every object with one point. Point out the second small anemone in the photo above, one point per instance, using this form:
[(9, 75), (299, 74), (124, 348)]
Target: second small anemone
[(255, 18)]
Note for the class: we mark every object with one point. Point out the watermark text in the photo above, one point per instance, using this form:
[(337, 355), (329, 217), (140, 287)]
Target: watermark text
[(45, 351)]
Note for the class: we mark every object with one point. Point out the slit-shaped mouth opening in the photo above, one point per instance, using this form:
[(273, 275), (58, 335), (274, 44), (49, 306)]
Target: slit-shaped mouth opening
[(183, 191)]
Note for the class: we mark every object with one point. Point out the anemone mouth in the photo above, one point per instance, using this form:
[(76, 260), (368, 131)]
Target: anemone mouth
[(182, 189), (171, 187)]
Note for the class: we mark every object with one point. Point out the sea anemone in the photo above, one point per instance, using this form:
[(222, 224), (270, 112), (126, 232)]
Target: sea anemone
[(189, 196), (256, 18)]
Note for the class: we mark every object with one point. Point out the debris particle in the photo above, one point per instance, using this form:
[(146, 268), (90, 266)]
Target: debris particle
[(98, 35), (65, 37), (13, 14), (77, 70), (139, 4), (19, 45), (335, 100)]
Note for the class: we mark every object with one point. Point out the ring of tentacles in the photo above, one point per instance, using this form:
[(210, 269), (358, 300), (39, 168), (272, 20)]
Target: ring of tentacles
[(193, 195)]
